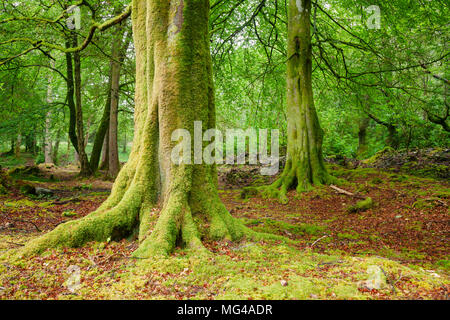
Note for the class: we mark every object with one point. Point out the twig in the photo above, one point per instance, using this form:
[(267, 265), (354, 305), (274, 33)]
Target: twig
[(342, 191), (314, 243), (388, 280)]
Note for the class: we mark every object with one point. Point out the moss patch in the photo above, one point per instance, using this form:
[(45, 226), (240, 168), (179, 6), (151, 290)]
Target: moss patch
[(361, 206)]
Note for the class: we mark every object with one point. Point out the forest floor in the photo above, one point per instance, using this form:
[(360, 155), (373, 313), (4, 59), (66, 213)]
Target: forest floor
[(398, 249)]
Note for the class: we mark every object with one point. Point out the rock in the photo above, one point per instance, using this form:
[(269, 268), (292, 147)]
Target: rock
[(284, 283), (45, 192), (377, 280)]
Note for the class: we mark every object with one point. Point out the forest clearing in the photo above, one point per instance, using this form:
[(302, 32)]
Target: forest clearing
[(224, 150)]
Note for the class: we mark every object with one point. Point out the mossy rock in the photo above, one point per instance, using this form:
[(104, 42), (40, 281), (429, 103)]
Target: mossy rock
[(24, 171), (361, 206), (380, 154)]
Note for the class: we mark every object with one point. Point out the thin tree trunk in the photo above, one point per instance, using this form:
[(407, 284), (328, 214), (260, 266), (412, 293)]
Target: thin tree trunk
[(85, 169), (124, 147), (71, 100), (47, 136), (17, 145), (362, 138), (105, 155), (118, 54), (101, 140), (56, 147)]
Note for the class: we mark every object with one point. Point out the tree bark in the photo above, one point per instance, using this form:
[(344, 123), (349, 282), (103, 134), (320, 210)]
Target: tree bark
[(362, 137), (125, 142), (17, 145), (56, 147), (105, 155), (99, 142), (71, 99), (47, 136), (174, 88), (118, 54), (85, 169), (304, 166)]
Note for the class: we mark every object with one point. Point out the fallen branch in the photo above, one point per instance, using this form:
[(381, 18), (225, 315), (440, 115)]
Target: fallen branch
[(342, 191), (314, 243), (389, 281)]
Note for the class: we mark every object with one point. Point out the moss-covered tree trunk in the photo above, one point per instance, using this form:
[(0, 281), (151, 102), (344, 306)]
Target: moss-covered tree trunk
[(85, 169), (174, 88), (304, 165), (362, 138), (71, 99)]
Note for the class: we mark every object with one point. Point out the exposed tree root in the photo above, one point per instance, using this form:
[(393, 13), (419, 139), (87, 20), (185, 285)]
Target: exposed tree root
[(176, 226), (295, 176)]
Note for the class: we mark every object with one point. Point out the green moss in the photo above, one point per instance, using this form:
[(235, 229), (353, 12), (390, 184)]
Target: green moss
[(19, 203), (348, 236), (361, 206), (427, 203), (444, 264), (69, 214), (376, 180), (248, 192), (380, 154), (281, 227)]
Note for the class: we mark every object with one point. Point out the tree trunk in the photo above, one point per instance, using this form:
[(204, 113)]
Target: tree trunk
[(393, 140), (47, 136), (125, 142), (85, 169), (105, 155), (118, 54), (99, 142), (17, 145), (304, 165), (56, 147), (362, 138), (174, 88), (71, 100), (101, 135)]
